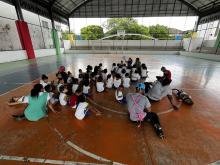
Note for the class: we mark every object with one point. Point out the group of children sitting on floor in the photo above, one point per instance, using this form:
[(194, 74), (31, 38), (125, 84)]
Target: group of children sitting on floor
[(72, 91)]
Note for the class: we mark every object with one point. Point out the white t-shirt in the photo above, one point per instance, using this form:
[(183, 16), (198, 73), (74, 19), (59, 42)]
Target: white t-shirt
[(114, 68), (157, 92), (86, 89), (133, 70), (117, 83), (135, 76), (104, 76), (43, 83), (109, 83), (58, 87), (75, 87), (25, 100), (126, 82), (118, 95), (122, 75), (62, 99), (69, 80), (81, 110), (119, 70), (100, 86), (144, 72), (128, 71)]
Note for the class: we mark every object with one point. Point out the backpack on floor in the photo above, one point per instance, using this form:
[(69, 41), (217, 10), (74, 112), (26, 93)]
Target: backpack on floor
[(187, 99)]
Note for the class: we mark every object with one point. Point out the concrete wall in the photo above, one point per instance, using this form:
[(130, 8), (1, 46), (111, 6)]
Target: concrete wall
[(212, 57), (106, 51), (192, 44), (66, 44), (127, 43), (9, 56)]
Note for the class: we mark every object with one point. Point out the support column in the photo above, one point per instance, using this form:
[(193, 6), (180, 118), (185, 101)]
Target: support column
[(217, 42), (69, 24), (23, 31), (56, 41)]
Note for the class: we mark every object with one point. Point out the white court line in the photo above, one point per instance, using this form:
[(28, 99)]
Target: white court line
[(108, 109), (43, 161), (82, 151), (89, 154), (125, 113), (215, 163)]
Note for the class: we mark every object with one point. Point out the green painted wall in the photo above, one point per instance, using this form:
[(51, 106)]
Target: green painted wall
[(56, 41)]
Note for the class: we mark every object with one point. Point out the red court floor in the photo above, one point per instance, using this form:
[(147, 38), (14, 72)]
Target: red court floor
[(192, 134)]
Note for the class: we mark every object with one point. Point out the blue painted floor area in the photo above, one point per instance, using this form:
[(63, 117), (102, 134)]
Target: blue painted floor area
[(14, 74)]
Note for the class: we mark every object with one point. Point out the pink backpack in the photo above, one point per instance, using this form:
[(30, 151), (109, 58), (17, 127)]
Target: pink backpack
[(140, 115)]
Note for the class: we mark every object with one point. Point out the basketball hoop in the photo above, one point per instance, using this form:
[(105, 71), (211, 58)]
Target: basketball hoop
[(120, 32)]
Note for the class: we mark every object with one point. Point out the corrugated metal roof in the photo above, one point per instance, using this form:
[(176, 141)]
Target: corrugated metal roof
[(63, 9)]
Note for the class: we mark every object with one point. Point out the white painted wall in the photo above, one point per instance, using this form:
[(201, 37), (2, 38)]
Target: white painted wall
[(9, 38), (209, 43), (67, 44), (136, 52), (192, 44), (10, 12), (127, 43), (9, 56)]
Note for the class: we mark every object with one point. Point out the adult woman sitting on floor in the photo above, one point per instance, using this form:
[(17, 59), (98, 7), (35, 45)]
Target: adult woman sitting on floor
[(139, 109), (37, 104)]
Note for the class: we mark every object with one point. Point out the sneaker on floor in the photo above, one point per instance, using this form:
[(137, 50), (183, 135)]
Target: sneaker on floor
[(159, 131), (18, 118)]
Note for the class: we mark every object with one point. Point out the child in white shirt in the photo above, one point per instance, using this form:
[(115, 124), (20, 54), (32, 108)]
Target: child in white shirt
[(48, 88), (109, 81), (144, 71), (80, 77), (104, 74), (86, 88), (123, 72), (119, 95), (69, 79), (82, 108), (100, 84), (60, 83), (135, 76), (63, 97), (44, 80), (126, 81), (117, 80), (75, 85), (119, 70), (114, 67)]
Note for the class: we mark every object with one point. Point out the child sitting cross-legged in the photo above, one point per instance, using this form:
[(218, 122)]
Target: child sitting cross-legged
[(53, 99), (117, 81), (74, 98), (119, 95), (63, 97), (75, 85), (126, 81), (60, 83), (144, 72), (109, 81), (86, 88), (82, 108), (135, 76), (70, 77), (100, 84), (44, 80)]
